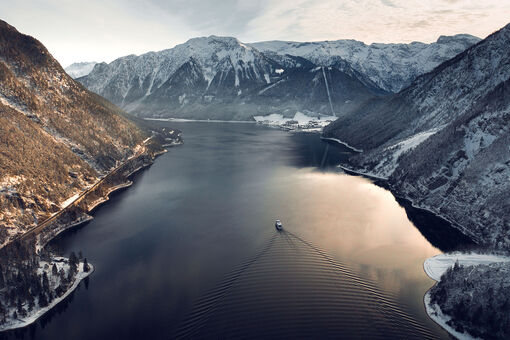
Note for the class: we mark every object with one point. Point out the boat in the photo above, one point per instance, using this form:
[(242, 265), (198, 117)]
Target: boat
[(278, 224)]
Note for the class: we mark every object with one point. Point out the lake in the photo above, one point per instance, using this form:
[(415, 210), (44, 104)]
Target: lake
[(190, 250)]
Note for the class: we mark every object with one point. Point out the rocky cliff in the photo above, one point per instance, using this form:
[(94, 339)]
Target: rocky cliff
[(56, 137), (444, 141)]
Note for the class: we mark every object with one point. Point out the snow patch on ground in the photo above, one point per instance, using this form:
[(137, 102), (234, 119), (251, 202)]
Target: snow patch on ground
[(391, 154), (270, 86), (435, 313), (412, 142), (300, 122), (436, 266), (181, 98), (299, 117), (343, 143), (68, 201), (7, 183), (38, 312)]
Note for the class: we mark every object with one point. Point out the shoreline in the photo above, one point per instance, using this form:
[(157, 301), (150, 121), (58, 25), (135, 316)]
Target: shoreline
[(21, 323), (81, 275), (342, 143), (435, 314), (184, 120), (104, 199), (383, 182), (435, 266), (363, 174), (442, 261)]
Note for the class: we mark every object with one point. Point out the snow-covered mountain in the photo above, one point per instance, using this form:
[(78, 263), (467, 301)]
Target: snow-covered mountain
[(222, 78), (77, 70), (391, 66), (133, 77), (444, 141)]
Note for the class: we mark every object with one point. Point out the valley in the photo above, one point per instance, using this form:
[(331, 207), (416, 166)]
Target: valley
[(386, 162)]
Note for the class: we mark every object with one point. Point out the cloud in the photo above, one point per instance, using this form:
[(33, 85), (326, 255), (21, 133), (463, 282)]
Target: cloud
[(388, 3), (379, 21), (99, 30)]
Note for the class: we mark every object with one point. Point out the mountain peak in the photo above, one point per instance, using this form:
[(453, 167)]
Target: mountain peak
[(446, 39), (391, 66), (77, 70), (4, 25), (221, 41)]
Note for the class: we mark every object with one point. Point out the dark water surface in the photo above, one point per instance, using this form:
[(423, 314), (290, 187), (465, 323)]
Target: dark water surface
[(191, 249)]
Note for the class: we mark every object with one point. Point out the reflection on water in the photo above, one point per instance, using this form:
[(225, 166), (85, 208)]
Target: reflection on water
[(293, 289), (191, 247)]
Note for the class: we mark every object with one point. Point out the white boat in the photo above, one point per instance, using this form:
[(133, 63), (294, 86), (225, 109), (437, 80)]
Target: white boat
[(278, 224)]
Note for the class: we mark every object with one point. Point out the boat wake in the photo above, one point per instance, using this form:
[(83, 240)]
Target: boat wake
[(292, 288)]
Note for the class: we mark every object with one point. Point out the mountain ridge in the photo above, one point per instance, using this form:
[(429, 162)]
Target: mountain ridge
[(242, 74), (231, 80), (392, 66), (57, 137), (433, 139)]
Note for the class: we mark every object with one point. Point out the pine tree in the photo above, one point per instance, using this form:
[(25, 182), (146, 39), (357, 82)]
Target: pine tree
[(2, 311), (31, 302), (12, 297), (70, 275), (59, 291), (86, 266), (45, 282), (19, 308), (73, 261), (43, 301), (62, 275), (54, 270), (2, 278)]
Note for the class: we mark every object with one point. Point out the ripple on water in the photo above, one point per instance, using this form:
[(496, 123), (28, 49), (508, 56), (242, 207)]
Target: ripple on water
[(292, 288)]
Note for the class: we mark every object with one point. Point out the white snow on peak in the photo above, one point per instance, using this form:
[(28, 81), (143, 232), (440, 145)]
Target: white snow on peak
[(211, 55), (77, 70), (390, 66)]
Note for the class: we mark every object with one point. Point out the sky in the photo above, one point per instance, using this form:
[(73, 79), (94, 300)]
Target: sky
[(100, 30)]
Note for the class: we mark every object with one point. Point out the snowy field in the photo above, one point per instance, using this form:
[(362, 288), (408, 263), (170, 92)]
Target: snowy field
[(441, 319), (436, 266), (37, 312), (300, 122)]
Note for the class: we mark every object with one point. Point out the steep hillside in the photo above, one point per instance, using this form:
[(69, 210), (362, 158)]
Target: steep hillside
[(390, 66), (443, 141), (57, 138), (222, 78), (462, 171)]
